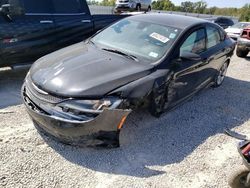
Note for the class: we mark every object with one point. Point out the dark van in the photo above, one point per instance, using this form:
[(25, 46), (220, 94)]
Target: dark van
[(30, 29)]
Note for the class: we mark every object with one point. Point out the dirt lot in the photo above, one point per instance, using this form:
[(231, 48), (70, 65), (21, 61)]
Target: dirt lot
[(184, 148)]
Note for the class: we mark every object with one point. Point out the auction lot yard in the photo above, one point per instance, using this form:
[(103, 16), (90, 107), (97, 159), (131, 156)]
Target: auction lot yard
[(186, 147)]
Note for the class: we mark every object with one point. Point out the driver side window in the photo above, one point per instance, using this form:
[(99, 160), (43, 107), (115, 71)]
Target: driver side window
[(195, 43)]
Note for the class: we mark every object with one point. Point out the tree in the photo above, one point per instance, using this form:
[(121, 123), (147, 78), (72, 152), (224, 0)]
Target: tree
[(163, 5), (245, 13), (200, 7), (108, 3), (187, 6)]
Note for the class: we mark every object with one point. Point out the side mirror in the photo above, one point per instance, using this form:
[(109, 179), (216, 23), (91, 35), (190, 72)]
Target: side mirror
[(190, 56), (5, 9), (6, 12)]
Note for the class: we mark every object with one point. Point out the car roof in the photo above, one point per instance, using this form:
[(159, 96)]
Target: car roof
[(172, 20)]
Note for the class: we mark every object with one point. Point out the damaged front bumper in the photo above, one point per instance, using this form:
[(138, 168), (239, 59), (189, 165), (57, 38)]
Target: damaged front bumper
[(101, 130)]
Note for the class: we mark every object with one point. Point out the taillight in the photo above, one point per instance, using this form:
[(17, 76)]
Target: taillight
[(245, 34)]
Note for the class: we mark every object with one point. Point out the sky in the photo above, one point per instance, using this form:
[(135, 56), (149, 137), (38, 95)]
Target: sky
[(219, 3)]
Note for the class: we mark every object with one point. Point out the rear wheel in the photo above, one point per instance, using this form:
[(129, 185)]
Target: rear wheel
[(241, 52), (221, 75), (240, 178)]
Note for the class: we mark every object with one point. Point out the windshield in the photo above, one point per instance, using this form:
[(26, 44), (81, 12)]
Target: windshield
[(141, 39), (241, 25)]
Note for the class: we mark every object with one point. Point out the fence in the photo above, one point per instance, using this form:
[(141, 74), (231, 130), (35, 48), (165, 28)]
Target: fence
[(96, 9)]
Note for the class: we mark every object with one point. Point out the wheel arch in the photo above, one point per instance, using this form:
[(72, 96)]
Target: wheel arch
[(141, 89)]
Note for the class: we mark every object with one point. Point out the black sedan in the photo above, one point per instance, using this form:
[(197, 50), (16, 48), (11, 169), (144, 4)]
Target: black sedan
[(82, 94)]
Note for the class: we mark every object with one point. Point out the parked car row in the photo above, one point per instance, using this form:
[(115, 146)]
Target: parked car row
[(30, 29), (224, 22), (243, 43), (132, 5), (235, 30)]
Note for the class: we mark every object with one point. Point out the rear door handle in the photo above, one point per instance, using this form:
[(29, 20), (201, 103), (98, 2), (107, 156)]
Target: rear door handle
[(46, 22), (86, 21)]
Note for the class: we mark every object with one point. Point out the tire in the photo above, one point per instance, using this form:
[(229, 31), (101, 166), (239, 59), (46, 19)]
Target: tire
[(220, 77), (138, 8), (241, 52), (149, 9), (240, 178), (159, 101)]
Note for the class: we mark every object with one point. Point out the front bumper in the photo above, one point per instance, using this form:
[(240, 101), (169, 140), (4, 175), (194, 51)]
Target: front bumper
[(125, 7), (243, 43), (234, 36), (100, 131)]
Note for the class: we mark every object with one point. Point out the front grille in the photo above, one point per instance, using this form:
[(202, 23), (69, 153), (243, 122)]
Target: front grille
[(43, 97)]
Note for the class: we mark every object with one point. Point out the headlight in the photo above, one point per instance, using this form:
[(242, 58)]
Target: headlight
[(90, 106)]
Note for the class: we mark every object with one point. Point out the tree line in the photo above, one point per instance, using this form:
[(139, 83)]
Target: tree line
[(199, 7)]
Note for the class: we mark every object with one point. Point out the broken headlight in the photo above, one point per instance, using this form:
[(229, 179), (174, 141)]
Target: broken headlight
[(90, 106)]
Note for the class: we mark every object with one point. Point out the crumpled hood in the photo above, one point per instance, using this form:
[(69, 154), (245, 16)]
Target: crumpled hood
[(83, 70)]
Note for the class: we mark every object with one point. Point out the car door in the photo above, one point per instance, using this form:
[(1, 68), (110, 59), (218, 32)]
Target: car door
[(73, 21), (216, 52), (30, 33), (188, 72)]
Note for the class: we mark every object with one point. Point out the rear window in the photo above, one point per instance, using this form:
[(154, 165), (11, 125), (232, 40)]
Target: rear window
[(213, 37), (68, 7)]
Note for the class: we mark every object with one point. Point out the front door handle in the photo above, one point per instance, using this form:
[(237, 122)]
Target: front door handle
[(46, 22)]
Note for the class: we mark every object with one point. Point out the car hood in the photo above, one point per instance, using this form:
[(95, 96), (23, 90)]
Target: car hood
[(83, 70), (233, 30)]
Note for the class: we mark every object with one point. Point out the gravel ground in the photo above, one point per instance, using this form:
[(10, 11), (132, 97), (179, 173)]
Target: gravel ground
[(184, 148)]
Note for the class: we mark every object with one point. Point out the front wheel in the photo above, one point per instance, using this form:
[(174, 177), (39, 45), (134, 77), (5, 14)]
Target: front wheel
[(241, 52), (157, 104), (221, 75)]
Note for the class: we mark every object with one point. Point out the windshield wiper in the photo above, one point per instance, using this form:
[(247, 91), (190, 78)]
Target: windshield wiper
[(121, 53)]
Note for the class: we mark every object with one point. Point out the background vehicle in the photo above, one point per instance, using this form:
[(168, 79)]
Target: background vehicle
[(151, 60), (132, 5), (240, 178), (243, 43), (235, 30), (30, 29), (222, 21)]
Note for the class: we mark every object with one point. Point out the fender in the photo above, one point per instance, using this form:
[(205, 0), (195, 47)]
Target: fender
[(141, 88)]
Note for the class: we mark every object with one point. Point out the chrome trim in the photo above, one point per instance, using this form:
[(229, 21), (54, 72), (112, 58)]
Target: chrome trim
[(46, 22), (86, 21), (54, 14), (39, 90)]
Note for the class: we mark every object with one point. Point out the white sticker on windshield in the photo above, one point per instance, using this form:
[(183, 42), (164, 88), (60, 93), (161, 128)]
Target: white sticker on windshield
[(153, 54), (159, 37), (172, 35)]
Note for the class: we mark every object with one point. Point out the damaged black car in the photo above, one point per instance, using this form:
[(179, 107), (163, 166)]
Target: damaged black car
[(82, 94)]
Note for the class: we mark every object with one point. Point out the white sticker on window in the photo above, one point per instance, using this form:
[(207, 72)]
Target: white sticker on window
[(153, 54), (172, 35), (159, 37)]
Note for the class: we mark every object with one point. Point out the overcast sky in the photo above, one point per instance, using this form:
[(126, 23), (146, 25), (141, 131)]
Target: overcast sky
[(219, 3)]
